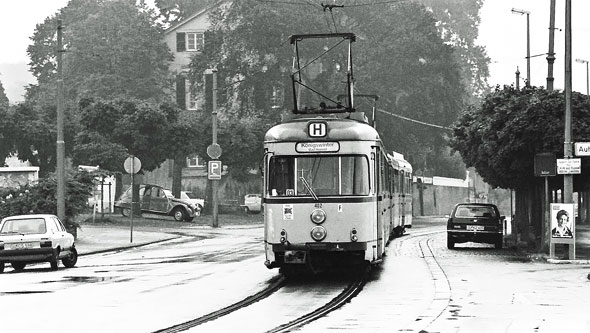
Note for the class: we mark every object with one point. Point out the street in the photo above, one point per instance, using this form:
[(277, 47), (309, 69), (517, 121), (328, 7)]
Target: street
[(421, 287)]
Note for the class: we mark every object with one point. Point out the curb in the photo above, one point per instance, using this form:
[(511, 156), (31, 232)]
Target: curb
[(121, 248)]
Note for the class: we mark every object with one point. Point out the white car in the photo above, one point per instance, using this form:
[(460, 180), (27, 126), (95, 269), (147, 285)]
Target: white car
[(35, 238), (252, 203)]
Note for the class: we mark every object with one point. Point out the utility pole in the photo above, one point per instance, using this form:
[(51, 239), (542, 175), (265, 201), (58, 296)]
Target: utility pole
[(60, 169), (551, 52), (517, 78), (582, 61), (528, 43), (568, 179)]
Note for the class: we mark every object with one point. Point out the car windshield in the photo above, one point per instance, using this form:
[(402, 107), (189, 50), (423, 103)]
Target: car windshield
[(191, 195), (24, 226), (475, 211), (324, 175)]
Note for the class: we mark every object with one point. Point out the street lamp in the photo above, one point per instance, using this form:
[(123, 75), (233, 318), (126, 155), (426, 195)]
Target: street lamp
[(528, 43), (587, 82)]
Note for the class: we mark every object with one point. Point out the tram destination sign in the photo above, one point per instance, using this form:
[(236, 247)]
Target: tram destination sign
[(317, 147)]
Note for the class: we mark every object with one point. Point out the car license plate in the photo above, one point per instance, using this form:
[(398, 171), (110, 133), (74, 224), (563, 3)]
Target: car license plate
[(475, 227), (19, 246)]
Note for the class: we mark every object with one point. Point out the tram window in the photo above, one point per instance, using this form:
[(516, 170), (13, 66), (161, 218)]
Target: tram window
[(281, 175), (355, 175), (320, 172)]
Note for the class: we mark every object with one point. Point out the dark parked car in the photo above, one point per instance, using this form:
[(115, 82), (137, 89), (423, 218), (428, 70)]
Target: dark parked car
[(475, 222), (34, 238), (153, 199)]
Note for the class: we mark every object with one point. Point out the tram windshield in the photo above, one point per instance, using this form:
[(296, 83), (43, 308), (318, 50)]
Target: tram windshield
[(325, 175)]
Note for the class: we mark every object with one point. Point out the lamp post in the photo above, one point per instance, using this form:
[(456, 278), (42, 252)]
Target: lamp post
[(587, 81), (528, 43)]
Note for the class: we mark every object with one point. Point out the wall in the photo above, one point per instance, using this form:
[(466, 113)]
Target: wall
[(17, 176)]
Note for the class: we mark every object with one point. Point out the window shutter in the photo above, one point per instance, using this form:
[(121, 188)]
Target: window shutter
[(181, 91), (180, 42)]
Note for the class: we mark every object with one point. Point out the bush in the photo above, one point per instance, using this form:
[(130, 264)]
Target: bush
[(41, 197)]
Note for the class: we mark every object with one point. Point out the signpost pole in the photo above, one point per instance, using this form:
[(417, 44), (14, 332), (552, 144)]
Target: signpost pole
[(132, 165), (214, 120)]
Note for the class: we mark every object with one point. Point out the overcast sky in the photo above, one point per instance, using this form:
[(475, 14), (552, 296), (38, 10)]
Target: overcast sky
[(501, 32)]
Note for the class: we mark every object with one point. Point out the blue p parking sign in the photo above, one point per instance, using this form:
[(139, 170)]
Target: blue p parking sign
[(214, 170)]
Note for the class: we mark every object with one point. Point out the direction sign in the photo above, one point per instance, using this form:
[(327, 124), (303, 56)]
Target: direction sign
[(132, 164), (214, 170), (582, 148), (214, 150), (569, 166)]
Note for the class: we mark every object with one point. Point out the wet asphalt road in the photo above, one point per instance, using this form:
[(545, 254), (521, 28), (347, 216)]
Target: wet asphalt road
[(422, 286)]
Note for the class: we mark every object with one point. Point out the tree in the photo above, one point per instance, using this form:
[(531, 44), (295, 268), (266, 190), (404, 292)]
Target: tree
[(30, 131), (3, 98), (114, 129), (174, 11), (113, 49), (399, 55), (501, 137)]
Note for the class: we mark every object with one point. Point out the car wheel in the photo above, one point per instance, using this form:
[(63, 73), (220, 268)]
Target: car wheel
[(71, 260), (125, 212), (246, 210), (179, 214), (450, 244), (18, 266), (1, 266)]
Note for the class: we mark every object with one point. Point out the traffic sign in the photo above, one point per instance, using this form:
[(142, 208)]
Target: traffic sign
[(132, 164), (214, 150), (214, 170), (569, 166)]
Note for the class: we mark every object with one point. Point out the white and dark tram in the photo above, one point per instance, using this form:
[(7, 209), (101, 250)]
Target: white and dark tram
[(333, 195)]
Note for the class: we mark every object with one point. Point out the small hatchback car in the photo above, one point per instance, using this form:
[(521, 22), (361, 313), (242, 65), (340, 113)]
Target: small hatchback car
[(252, 203), (475, 222), (35, 238)]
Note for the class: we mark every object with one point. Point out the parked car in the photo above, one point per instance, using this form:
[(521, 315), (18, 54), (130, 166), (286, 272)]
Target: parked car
[(153, 199), (34, 238), (475, 222), (252, 203), (189, 197)]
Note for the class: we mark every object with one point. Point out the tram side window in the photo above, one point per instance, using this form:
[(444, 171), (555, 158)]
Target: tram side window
[(355, 175), (281, 175)]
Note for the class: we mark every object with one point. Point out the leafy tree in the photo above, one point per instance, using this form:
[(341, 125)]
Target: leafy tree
[(114, 129), (113, 49), (30, 131), (3, 98), (399, 55), (174, 11), (501, 137), (40, 198)]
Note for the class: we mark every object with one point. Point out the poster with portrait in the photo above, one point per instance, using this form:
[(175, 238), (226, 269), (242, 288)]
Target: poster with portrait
[(562, 220)]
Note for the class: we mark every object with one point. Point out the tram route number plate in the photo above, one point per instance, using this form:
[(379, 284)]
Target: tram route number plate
[(295, 257), (475, 227)]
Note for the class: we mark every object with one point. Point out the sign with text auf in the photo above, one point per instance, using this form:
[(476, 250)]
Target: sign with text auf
[(582, 148), (569, 166), (214, 170)]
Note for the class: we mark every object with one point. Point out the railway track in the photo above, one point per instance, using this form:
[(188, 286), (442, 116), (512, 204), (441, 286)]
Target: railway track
[(275, 285)]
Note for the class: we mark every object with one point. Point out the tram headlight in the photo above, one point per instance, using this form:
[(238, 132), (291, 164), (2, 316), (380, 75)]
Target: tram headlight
[(353, 236), (318, 233), (318, 216), (283, 236)]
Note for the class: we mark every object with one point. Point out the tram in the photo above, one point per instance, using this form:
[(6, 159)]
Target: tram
[(333, 194)]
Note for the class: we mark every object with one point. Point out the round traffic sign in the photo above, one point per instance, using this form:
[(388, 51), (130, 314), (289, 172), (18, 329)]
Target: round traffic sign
[(132, 164), (214, 150)]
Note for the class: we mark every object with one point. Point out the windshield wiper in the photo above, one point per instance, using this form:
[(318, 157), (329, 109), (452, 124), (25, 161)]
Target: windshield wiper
[(309, 189)]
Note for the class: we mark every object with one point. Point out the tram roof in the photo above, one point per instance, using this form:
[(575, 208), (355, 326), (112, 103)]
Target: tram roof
[(338, 129)]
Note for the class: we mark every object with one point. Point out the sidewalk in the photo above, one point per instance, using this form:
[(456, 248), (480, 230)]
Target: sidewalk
[(97, 239)]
